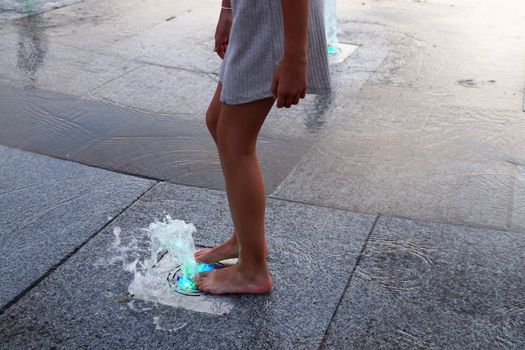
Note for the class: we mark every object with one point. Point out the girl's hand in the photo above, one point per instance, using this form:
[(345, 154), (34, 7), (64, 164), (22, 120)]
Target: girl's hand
[(222, 33), (290, 81)]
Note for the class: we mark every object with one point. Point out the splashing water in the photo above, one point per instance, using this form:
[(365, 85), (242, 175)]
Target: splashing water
[(164, 269), (173, 240), (171, 246)]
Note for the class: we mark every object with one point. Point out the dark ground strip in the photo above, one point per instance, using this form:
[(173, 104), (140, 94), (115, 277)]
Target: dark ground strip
[(67, 257)]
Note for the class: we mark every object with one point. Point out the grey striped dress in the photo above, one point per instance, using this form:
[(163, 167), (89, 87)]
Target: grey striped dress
[(256, 46)]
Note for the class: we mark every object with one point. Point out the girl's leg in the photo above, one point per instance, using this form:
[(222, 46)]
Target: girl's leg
[(227, 249), (237, 131)]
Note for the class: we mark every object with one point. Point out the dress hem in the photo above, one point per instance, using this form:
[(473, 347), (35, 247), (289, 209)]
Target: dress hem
[(238, 101)]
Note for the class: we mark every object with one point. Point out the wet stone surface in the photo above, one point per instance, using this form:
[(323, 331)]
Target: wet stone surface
[(33, 61), (49, 207), (161, 90), (79, 305), (398, 175), (176, 148), (186, 41), (11, 9), (434, 286)]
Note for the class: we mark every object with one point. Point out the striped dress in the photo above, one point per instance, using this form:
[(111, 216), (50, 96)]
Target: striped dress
[(256, 46)]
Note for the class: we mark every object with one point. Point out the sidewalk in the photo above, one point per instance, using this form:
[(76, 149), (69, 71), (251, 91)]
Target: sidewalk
[(341, 278)]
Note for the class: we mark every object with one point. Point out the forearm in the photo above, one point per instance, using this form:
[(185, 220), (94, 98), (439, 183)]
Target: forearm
[(295, 18), (226, 3)]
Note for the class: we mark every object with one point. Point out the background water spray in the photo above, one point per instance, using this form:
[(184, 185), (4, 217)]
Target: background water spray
[(330, 20)]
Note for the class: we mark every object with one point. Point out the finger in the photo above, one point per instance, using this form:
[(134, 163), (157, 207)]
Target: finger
[(286, 101), (280, 100), (303, 93), (274, 86), (296, 99)]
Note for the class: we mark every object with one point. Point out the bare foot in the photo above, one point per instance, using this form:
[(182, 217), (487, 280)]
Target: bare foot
[(225, 250), (232, 279)]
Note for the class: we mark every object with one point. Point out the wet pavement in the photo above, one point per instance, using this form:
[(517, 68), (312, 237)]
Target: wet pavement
[(396, 205)]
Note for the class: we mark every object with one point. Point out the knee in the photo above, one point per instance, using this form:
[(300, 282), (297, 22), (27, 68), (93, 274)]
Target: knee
[(212, 118), (233, 145)]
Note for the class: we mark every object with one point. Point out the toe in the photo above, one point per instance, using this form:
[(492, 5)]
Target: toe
[(202, 286), (201, 252), (200, 279), (197, 282)]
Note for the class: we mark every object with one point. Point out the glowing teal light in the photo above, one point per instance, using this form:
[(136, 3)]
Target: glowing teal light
[(332, 50), (203, 267), (185, 282)]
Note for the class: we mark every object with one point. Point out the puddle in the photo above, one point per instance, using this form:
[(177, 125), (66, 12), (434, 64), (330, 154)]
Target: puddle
[(174, 148)]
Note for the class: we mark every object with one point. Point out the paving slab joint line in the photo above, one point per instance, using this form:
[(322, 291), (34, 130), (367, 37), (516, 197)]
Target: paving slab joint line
[(510, 204), (319, 205), (358, 260), (213, 74), (392, 215), (113, 79), (69, 255)]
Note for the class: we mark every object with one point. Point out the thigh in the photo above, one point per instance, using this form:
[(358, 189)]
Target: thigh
[(239, 125)]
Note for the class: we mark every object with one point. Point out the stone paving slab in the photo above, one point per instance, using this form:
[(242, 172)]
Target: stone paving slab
[(83, 304), (402, 172), (96, 24), (49, 207), (434, 286), (186, 41)]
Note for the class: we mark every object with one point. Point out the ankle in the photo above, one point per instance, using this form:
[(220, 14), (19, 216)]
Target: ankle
[(233, 238), (232, 241), (253, 270)]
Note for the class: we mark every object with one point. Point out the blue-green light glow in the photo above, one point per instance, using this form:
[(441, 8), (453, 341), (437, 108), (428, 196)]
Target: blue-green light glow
[(332, 50), (203, 267), (185, 282)]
